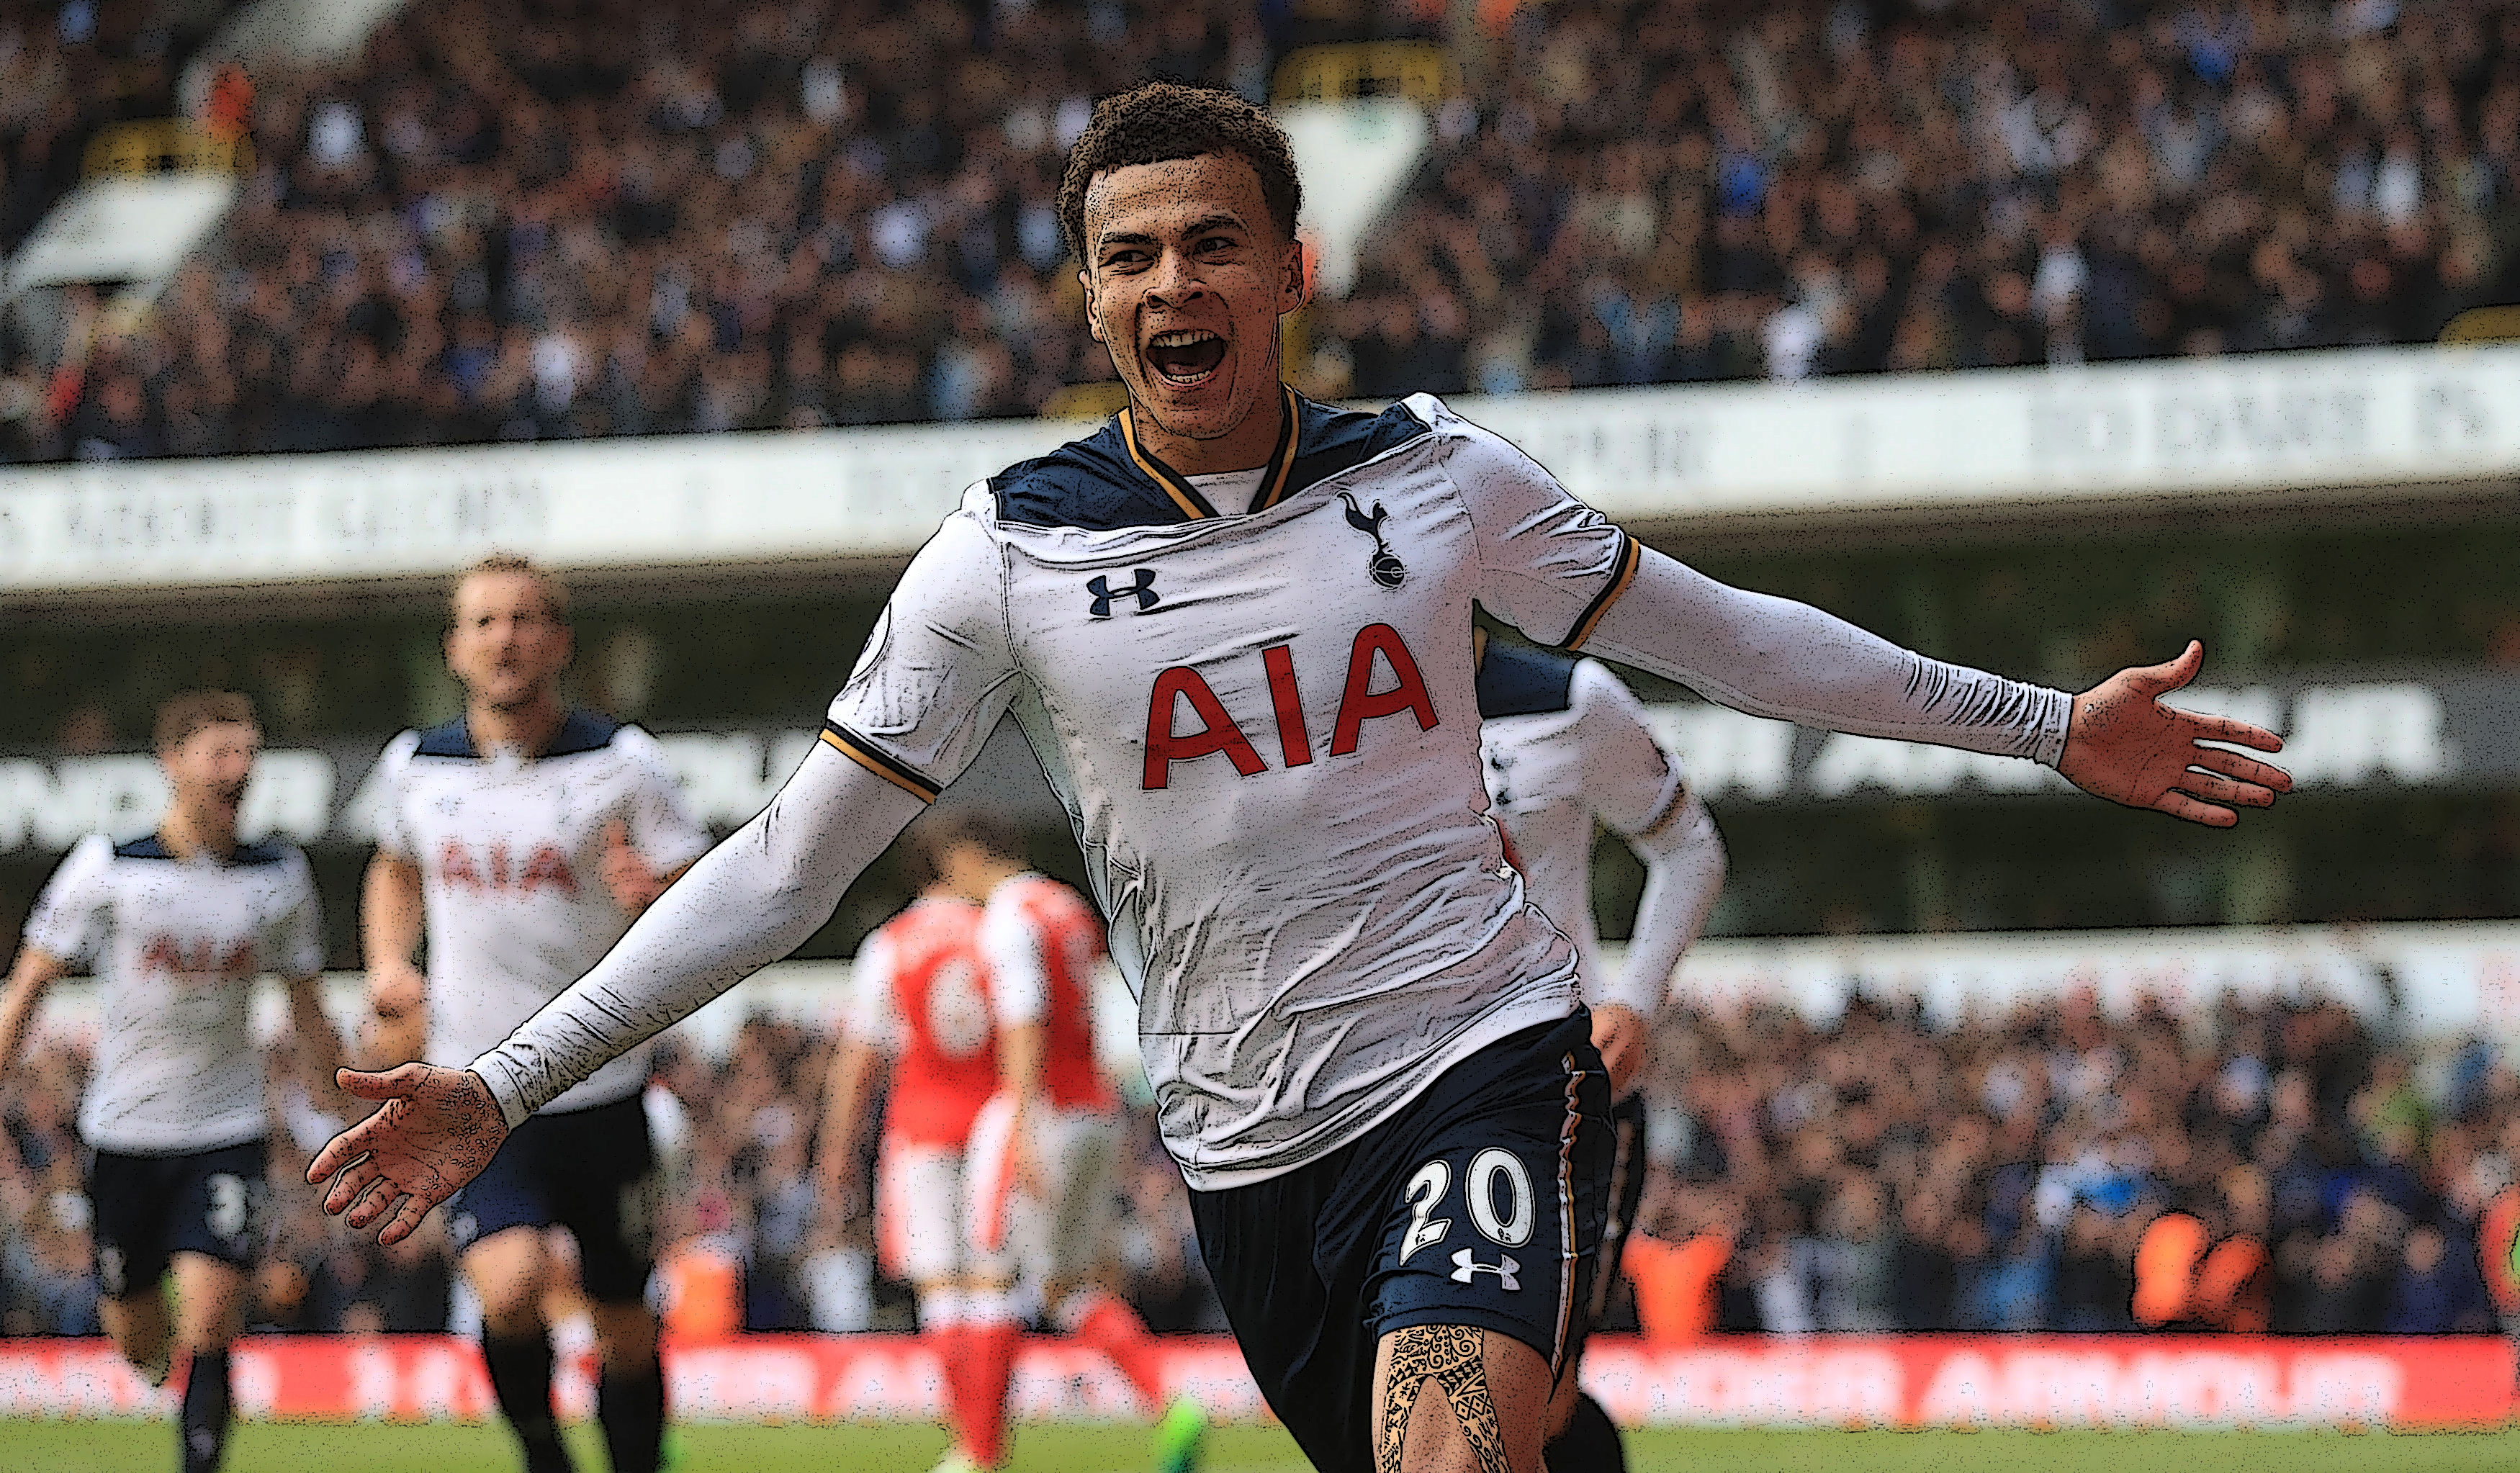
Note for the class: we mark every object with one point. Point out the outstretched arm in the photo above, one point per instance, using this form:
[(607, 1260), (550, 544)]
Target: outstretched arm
[(1773, 656), (747, 902), (1683, 859)]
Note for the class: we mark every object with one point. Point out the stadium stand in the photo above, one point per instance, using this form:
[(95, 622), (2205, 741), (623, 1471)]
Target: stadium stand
[(593, 218), (2016, 1173)]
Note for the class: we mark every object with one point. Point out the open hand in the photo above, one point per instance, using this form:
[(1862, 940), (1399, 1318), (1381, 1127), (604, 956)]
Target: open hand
[(2125, 745), (437, 1129)]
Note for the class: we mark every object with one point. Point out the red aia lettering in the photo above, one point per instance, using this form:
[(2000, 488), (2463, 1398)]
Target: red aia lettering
[(1359, 704), (1218, 734), (197, 959), (492, 870)]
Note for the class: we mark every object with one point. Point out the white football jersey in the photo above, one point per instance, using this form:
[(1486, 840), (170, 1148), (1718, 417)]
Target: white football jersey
[(511, 855), (1566, 746), (176, 945), (1265, 728)]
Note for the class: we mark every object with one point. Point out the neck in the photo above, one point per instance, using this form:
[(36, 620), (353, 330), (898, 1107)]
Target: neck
[(530, 726), (1242, 448), (186, 833)]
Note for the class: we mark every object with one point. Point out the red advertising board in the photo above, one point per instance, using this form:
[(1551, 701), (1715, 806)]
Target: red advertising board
[(1823, 1380)]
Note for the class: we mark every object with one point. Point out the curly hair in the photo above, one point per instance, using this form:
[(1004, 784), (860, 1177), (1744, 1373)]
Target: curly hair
[(1157, 122)]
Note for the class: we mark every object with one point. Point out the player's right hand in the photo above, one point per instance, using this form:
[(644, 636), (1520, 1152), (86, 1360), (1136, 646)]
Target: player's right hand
[(1622, 1037), (437, 1130)]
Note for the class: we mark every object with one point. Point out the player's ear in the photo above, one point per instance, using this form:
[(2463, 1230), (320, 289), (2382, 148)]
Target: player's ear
[(1092, 307), (1297, 285)]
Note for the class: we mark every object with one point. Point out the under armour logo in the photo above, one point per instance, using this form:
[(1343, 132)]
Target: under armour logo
[(1143, 590), (1466, 1267), (1384, 567)]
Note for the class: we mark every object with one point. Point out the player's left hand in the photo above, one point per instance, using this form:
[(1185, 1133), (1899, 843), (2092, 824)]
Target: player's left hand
[(1620, 1034), (437, 1129), (2125, 745), (634, 886)]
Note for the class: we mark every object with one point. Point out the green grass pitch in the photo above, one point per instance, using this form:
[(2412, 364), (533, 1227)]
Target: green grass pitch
[(122, 1447)]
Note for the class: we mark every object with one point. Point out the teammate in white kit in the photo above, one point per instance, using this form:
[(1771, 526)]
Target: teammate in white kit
[(1235, 626), (178, 926), (522, 839), (1566, 747), (924, 1001)]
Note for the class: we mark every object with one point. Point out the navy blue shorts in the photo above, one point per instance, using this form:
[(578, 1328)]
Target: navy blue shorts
[(147, 1209), (592, 1172), (1481, 1203)]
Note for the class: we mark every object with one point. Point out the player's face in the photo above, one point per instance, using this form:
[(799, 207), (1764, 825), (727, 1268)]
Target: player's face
[(507, 647), (1185, 277), (210, 770)]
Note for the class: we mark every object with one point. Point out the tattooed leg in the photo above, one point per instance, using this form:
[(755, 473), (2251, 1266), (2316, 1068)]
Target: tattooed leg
[(1496, 1389)]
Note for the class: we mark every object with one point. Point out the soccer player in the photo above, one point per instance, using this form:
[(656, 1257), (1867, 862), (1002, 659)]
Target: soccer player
[(1565, 747), (1235, 627), (1042, 942), (923, 998), (522, 840), (178, 925)]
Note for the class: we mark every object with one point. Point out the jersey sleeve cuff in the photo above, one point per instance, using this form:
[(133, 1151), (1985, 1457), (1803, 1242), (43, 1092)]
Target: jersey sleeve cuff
[(2055, 716), (499, 1075)]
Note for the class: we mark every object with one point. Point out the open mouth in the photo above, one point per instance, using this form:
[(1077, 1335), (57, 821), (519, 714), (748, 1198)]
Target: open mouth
[(1186, 356)]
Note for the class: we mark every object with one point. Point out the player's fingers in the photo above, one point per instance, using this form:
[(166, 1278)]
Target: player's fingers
[(337, 1152), (2179, 805), (345, 1188), (2246, 769), (2237, 732), (2213, 787), (406, 1221), (2161, 678), (401, 1080), (374, 1203)]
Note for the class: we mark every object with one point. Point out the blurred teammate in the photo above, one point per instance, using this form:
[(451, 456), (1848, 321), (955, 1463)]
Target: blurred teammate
[(522, 840), (1233, 625), (178, 926), (1565, 747), (923, 999)]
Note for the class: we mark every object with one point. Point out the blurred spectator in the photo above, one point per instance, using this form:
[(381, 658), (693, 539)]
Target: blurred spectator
[(2019, 1162), (1872, 1173), (605, 218)]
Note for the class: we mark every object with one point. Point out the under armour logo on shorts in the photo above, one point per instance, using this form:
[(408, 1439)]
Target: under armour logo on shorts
[(1143, 590), (1466, 1267)]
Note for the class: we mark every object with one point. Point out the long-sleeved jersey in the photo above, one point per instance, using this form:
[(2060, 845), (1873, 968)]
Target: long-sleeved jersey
[(1261, 716)]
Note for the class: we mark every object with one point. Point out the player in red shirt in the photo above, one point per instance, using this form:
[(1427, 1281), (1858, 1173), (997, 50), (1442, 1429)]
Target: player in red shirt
[(1044, 944), (922, 999)]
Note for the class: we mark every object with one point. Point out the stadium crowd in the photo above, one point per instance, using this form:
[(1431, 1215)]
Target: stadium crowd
[(743, 1243), (2035, 1172), (590, 217)]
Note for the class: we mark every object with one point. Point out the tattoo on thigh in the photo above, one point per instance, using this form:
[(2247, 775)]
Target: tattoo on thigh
[(1448, 1357)]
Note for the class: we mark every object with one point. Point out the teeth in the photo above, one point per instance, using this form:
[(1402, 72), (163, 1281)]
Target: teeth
[(1180, 337)]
